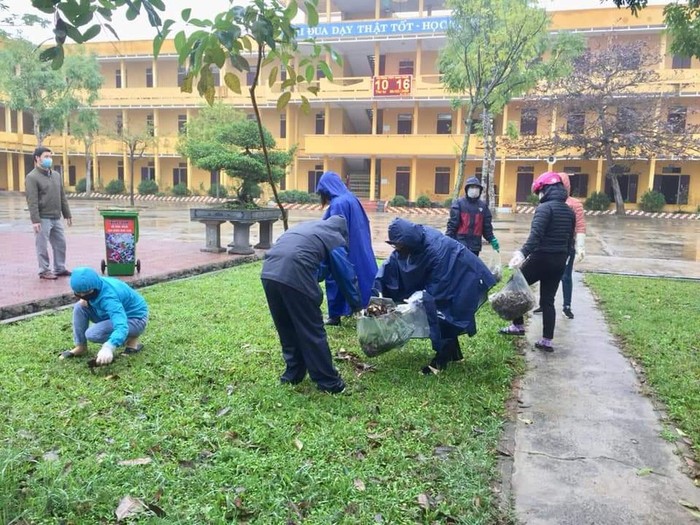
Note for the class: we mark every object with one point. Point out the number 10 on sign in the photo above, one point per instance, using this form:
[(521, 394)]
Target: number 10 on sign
[(392, 85)]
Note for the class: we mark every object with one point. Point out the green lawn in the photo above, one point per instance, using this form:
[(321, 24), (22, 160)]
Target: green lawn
[(658, 321), (223, 442)]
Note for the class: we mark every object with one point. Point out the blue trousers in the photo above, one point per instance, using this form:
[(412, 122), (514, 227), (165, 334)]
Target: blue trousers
[(567, 282), (100, 330)]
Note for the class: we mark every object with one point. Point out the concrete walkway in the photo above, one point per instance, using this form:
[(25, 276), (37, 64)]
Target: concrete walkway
[(585, 435)]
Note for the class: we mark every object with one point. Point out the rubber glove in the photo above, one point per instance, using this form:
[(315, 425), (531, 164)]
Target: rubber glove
[(495, 245), (106, 354), (517, 260), (580, 247)]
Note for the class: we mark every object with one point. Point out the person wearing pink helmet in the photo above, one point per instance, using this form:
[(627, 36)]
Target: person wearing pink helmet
[(543, 256)]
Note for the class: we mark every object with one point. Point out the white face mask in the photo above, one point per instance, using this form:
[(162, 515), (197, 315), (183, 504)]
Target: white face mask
[(473, 193)]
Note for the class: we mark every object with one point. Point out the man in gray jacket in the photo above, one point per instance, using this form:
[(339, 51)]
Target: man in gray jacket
[(47, 205), (301, 258)]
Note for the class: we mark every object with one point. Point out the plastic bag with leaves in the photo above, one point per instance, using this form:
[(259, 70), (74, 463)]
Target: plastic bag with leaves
[(413, 312), (515, 299), (383, 329)]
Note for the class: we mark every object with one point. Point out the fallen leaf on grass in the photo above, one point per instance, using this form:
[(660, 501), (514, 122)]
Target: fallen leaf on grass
[(128, 507), (681, 433), (298, 443), (223, 411), (644, 471), (443, 451), (137, 461), (229, 390), (690, 507), (424, 501), (378, 518), (359, 485), (51, 455)]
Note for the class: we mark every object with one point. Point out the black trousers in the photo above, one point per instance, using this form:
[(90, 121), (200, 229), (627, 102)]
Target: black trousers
[(450, 349), (547, 268), (299, 323)]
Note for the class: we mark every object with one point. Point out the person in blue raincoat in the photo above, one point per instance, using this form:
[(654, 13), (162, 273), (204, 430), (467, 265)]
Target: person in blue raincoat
[(341, 201), (454, 280)]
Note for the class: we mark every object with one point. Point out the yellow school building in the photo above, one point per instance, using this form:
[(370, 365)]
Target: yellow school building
[(385, 121)]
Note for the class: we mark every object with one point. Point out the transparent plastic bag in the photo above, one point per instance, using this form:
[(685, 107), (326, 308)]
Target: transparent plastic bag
[(381, 333), (413, 312), (515, 299), (494, 264)]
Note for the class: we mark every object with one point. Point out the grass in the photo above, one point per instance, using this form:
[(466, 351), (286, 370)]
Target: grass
[(225, 442), (658, 321)]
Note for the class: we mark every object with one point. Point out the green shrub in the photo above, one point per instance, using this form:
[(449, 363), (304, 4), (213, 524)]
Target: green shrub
[(533, 199), (148, 187), (652, 201), (598, 201), (448, 203), (180, 190), (298, 197), (115, 187), (423, 202), (398, 201), (81, 186), (217, 188)]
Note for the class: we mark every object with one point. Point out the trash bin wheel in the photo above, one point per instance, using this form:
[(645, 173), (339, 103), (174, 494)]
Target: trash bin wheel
[(138, 265), (103, 266)]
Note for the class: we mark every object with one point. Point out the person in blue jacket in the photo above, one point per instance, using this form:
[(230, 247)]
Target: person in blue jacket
[(301, 258), (454, 280), (119, 315), (341, 201), (470, 219)]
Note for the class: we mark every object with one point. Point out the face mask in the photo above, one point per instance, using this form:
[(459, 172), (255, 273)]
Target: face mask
[(89, 295), (473, 193), (46, 163), (541, 195)]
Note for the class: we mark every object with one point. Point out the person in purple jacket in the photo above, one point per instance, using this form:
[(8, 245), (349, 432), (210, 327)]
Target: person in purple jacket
[(341, 201)]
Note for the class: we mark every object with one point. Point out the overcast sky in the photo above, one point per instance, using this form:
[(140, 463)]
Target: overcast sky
[(140, 29)]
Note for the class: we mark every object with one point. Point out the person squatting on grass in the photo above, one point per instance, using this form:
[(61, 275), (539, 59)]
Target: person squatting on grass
[(47, 203), (119, 315), (470, 219), (543, 256), (301, 258), (341, 201), (454, 280)]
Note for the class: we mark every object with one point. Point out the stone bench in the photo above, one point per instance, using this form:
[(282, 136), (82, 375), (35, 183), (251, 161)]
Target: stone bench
[(242, 220)]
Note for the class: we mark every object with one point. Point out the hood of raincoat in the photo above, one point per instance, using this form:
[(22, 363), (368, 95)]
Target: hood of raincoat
[(566, 182), (331, 185), (407, 234), (84, 279), (554, 192)]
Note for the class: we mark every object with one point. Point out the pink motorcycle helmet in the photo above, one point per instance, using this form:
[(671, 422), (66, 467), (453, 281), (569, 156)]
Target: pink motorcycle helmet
[(546, 179)]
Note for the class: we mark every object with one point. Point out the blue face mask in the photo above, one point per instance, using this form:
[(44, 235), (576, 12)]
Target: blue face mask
[(46, 163)]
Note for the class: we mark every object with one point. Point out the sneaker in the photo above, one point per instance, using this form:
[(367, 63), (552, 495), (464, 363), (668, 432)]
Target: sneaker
[(47, 275), (568, 313), (514, 329), (428, 370), (545, 345), (332, 321), (63, 273), (537, 310)]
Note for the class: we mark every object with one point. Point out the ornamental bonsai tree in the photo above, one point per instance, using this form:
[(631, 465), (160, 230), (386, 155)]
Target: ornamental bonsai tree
[(223, 139)]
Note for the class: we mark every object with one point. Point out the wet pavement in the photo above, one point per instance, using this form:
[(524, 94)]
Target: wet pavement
[(170, 243)]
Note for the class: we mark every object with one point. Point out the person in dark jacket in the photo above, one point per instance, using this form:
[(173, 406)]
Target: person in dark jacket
[(341, 201), (301, 258), (118, 312), (470, 219), (543, 256), (454, 280)]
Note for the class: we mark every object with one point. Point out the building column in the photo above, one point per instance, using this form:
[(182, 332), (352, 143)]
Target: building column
[(10, 171), (377, 54), (652, 170), (328, 10), (504, 126), (156, 144), (326, 119), (122, 72), (421, 8), (375, 117), (663, 43), (599, 176), (415, 118), (460, 122), (419, 59), (65, 157), (8, 119), (95, 176), (125, 155), (190, 175), (412, 179), (20, 124), (502, 182), (372, 177), (154, 67), (377, 8)]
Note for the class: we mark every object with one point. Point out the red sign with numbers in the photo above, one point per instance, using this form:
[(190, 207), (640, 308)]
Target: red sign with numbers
[(392, 85)]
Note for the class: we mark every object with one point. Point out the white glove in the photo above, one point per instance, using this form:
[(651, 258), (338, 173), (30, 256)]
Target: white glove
[(106, 354), (580, 247), (517, 260)]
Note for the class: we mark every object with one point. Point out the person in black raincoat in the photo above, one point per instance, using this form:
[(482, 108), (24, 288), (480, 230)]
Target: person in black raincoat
[(341, 201), (302, 257), (454, 280)]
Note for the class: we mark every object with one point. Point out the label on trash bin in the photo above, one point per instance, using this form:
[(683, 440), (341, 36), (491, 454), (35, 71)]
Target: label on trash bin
[(120, 240)]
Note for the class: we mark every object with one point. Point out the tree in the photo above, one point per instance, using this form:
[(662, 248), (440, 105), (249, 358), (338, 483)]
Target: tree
[(263, 28), (135, 141), (221, 138), (495, 51), (611, 108), (85, 125), (48, 95)]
